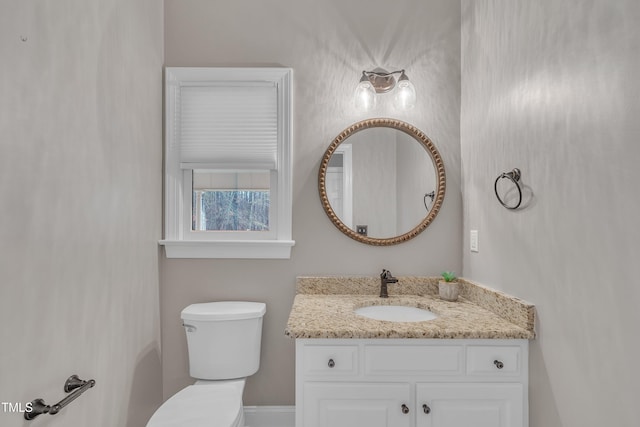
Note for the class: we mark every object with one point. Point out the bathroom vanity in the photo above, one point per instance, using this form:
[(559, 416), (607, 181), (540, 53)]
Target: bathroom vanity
[(402, 383), (467, 367)]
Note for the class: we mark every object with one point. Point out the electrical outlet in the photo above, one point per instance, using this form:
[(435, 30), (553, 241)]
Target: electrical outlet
[(473, 240), (362, 229)]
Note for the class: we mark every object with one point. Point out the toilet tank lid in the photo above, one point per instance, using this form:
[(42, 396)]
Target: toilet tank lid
[(224, 310)]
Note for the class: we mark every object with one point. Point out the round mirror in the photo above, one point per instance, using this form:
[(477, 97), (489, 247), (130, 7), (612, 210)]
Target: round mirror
[(381, 181)]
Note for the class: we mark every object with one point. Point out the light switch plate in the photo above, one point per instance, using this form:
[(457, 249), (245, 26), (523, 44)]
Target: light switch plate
[(473, 240)]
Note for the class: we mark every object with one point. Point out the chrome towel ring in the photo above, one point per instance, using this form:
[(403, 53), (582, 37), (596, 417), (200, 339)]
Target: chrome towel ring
[(514, 176)]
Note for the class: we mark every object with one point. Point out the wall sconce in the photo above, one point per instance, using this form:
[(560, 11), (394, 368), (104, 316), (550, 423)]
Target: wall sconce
[(381, 81)]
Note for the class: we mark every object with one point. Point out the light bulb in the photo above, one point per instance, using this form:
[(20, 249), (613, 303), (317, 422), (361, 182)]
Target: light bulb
[(405, 98), (365, 95)]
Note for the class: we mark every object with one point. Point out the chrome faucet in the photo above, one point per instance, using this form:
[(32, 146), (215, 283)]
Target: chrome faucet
[(385, 279)]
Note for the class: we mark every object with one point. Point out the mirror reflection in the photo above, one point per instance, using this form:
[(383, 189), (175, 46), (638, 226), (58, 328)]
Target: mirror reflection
[(379, 181)]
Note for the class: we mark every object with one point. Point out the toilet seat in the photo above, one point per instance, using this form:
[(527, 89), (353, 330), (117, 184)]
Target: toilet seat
[(205, 404)]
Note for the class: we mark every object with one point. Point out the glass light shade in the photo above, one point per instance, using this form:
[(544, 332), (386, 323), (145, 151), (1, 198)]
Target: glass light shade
[(405, 98), (365, 95)]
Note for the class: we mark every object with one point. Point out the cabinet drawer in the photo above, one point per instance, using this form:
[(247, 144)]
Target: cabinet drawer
[(330, 360), (498, 360), (413, 360)]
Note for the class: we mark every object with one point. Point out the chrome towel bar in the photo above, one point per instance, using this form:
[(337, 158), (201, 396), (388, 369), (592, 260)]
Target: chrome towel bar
[(74, 386)]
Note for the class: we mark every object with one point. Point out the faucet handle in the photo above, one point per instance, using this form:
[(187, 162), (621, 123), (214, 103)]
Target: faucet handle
[(385, 274)]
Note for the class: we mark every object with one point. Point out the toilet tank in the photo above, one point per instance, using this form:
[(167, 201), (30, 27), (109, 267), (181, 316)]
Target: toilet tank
[(223, 338)]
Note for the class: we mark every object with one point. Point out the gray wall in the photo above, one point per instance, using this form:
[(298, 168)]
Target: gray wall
[(328, 43), (552, 88), (80, 192), (416, 177), (374, 181)]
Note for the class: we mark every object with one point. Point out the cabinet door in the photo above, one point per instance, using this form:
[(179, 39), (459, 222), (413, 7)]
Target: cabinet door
[(470, 405), (357, 405)]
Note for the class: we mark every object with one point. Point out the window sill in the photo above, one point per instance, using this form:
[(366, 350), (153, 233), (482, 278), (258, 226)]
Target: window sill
[(229, 249)]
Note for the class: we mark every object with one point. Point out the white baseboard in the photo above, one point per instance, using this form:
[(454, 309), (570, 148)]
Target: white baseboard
[(269, 416)]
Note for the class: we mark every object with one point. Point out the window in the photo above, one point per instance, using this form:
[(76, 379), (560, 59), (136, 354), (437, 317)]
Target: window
[(228, 163), (230, 201)]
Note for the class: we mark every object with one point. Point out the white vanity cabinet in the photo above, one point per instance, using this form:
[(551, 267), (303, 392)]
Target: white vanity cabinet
[(411, 383)]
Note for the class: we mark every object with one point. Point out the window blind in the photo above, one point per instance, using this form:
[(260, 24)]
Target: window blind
[(229, 127)]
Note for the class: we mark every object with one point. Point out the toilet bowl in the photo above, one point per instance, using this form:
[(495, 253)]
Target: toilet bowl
[(204, 404), (223, 340)]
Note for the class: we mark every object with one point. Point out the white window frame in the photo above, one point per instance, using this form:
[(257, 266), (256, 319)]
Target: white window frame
[(179, 241)]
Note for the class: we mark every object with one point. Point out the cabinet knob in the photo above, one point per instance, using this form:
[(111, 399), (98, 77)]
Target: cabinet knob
[(331, 363), (498, 364), (426, 409), (405, 409)]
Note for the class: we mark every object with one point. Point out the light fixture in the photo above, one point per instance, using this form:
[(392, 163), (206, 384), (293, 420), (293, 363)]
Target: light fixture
[(365, 96), (381, 81)]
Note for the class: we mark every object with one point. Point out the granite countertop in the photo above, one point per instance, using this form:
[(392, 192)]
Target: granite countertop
[(324, 308)]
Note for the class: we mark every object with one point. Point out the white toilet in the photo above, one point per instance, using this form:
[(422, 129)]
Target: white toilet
[(223, 340)]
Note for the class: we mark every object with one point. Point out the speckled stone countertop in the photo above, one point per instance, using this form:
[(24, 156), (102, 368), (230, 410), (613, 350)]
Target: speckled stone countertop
[(324, 308)]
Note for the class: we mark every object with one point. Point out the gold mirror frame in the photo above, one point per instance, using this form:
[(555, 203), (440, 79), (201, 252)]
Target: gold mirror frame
[(426, 143)]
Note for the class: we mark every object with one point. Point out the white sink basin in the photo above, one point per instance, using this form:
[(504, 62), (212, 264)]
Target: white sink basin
[(395, 313)]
